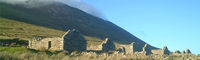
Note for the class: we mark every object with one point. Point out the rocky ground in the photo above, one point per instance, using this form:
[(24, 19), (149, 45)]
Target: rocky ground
[(93, 56)]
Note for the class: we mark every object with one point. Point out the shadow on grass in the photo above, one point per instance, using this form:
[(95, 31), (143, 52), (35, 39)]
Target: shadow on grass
[(15, 42)]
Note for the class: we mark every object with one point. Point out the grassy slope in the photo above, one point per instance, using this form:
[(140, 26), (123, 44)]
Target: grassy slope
[(14, 29), (10, 29)]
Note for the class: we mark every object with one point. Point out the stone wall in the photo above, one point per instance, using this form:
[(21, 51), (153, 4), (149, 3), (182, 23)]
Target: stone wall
[(97, 47), (74, 41), (165, 50), (55, 44), (127, 49), (183, 52), (187, 51), (146, 49), (177, 52), (161, 51), (108, 45)]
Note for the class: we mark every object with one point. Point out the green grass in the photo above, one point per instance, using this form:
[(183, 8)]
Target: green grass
[(10, 29), (16, 42), (15, 29), (15, 49), (26, 50)]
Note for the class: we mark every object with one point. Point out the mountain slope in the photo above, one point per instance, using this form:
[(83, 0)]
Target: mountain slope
[(61, 17), (15, 29)]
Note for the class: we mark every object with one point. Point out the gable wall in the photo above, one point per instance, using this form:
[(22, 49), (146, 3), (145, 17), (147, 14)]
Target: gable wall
[(56, 44)]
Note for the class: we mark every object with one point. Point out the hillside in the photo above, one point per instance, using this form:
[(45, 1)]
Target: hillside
[(52, 20), (15, 29)]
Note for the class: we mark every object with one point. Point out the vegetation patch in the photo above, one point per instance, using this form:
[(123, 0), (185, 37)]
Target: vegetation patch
[(14, 49), (16, 42), (16, 29)]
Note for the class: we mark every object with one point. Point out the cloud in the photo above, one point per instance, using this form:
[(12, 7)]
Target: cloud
[(84, 7), (74, 3)]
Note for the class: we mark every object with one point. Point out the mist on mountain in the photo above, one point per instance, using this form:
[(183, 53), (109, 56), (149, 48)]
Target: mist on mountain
[(73, 3)]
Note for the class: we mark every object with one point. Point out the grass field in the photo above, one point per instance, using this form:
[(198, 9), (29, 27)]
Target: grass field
[(11, 29), (14, 49), (14, 29)]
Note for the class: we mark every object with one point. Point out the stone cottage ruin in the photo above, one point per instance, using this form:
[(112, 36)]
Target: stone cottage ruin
[(46, 43), (161, 51), (104, 46), (74, 40), (71, 40), (127, 49), (146, 49), (108, 45)]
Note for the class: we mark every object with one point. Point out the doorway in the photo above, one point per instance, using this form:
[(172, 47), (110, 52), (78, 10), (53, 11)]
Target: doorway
[(49, 44)]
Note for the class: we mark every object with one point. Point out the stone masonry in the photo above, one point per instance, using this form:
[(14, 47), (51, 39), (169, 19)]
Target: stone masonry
[(187, 51), (127, 49), (165, 50), (161, 51), (183, 52), (71, 40), (108, 45), (177, 52), (74, 40), (46, 43), (146, 49)]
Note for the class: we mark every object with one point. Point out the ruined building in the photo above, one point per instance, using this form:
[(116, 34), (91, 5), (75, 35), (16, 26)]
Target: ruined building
[(146, 49), (177, 52), (71, 40), (46, 43), (183, 52), (127, 49), (165, 50), (104, 46), (161, 51), (187, 51), (108, 45)]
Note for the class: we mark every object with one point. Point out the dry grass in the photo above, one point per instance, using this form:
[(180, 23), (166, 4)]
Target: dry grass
[(91, 56)]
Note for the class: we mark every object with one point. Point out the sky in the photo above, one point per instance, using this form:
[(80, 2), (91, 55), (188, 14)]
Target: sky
[(171, 23)]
